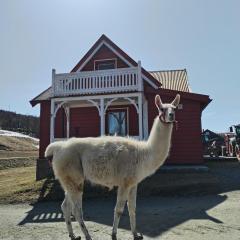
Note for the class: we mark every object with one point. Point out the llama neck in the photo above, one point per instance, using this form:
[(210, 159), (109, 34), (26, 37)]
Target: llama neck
[(159, 143)]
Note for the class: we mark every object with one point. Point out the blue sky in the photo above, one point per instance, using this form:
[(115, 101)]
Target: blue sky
[(201, 36)]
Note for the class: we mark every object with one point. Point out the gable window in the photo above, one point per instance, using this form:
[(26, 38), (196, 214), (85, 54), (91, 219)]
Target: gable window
[(117, 122), (105, 64)]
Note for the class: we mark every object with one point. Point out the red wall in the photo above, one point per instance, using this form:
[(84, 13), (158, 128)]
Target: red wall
[(186, 141), (84, 122), (60, 124), (44, 127)]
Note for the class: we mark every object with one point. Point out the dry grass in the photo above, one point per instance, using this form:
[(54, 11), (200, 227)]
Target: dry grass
[(19, 185), (17, 147)]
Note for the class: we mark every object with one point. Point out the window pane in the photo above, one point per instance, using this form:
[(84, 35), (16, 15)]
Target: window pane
[(103, 66), (117, 123)]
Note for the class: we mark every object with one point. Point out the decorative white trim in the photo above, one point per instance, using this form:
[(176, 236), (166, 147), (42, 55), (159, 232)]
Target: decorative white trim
[(102, 116), (96, 105), (56, 108), (94, 97), (100, 104), (67, 112), (109, 103), (132, 101)]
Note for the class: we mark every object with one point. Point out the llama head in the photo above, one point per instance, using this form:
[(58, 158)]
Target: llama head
[(167, 110)]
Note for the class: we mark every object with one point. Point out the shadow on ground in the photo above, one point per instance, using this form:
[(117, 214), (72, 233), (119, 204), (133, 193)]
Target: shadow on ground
[(153, 212)]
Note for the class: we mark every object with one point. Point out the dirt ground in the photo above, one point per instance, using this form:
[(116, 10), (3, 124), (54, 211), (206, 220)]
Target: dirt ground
[(179, 217)]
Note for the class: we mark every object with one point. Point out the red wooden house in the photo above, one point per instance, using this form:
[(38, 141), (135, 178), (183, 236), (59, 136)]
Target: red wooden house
[(107, 92)]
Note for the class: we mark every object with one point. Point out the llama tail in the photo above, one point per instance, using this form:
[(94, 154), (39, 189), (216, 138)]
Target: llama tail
[(51, 151)]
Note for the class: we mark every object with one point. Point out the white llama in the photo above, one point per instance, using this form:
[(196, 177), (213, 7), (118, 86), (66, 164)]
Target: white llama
[(111, 161)]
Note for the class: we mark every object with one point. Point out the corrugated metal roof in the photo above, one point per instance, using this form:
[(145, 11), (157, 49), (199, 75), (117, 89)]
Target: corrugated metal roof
[(173, 79)]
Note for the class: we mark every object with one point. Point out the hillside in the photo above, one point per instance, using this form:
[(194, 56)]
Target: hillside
[(26, 124), (13, 144)]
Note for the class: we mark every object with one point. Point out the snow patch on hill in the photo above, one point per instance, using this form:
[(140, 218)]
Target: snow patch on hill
[(16, 134)]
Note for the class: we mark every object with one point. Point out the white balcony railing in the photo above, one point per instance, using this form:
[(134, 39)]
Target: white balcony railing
[(101, 81)]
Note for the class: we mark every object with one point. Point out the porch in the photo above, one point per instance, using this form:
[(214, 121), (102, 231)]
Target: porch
[(97, 114), (100, 89)]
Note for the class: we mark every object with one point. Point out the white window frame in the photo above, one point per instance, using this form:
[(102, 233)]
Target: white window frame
[(121, 108), (104, 60)]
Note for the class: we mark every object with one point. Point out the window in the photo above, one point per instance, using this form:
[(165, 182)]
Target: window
[(117, 122), (105, 64)]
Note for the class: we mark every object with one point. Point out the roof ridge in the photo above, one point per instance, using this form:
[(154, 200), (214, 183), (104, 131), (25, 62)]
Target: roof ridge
[(172, 70)]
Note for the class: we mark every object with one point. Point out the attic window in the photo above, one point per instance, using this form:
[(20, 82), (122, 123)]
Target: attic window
[(105, 64)]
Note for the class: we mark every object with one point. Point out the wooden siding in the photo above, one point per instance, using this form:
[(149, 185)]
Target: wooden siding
[(60, 124), (44, 127), (84, 122), (186, 141)]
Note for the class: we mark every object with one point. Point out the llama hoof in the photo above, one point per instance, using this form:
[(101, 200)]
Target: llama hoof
[(75, 238), (138, 237), (114, 236)]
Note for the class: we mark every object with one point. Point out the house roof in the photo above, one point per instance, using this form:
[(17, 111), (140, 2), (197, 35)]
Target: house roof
[(170, 80), (104, 40), (173, 79)]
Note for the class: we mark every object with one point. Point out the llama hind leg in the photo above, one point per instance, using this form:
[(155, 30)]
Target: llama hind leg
[(76, 199), (121, 200), (132, 196), (67, 210)]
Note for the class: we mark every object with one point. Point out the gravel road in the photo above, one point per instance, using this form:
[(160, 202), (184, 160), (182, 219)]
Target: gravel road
[(197, 217)]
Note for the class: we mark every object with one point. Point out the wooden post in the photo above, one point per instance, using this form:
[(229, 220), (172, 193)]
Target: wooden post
[(52, 121), (102, 116), (68, 120), (140, 116), (140, 82), (53, 81)]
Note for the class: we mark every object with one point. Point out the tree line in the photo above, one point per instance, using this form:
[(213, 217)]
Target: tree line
[(25, 124)]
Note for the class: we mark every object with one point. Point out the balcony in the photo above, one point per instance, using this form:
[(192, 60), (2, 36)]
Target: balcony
[(97, 82)]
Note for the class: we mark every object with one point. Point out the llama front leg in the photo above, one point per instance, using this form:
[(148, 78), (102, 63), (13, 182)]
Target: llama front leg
[(121, 200), (132, 197), (67, 211)]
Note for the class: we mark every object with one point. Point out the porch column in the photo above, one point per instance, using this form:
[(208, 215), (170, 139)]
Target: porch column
[(140, 82), (140, 116), (145, 119), (52, 121), (67, 111), (102, 116)]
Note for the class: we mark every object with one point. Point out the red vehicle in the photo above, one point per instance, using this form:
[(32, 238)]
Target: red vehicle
[(232, 142)]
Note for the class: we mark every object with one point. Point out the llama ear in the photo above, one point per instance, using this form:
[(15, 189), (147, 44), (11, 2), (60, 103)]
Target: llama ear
[(158, 102), (176, 101)]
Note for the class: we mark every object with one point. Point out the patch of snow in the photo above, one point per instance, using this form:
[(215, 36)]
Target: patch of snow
[(16, 134), (36, 146)]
